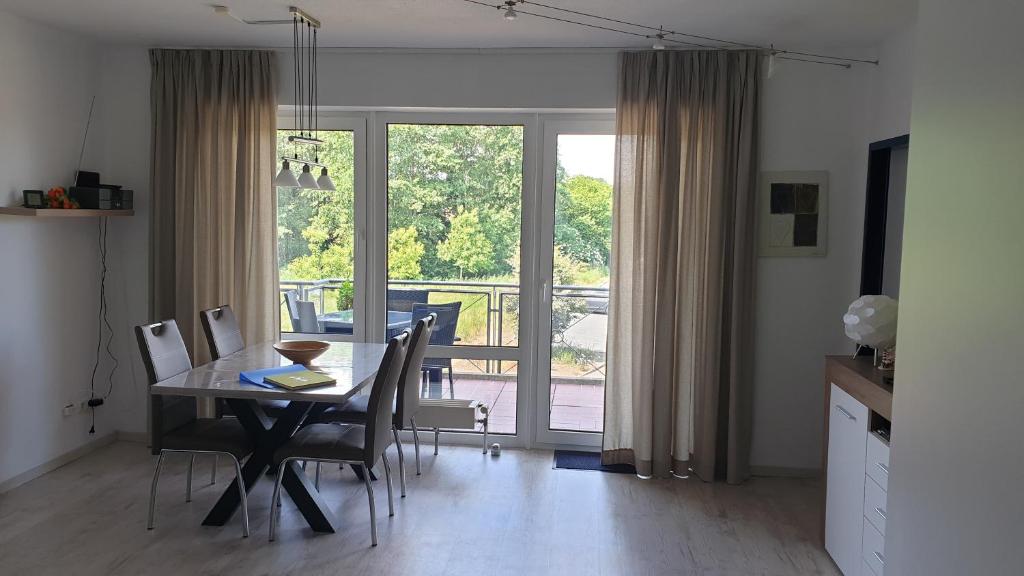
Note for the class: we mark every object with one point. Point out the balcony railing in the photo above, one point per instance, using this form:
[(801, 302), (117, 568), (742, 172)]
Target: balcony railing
[(498, 302)]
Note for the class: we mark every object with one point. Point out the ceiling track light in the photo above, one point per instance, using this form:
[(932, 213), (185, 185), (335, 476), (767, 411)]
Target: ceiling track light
[(663, 36), (659, 39), (510, 10)]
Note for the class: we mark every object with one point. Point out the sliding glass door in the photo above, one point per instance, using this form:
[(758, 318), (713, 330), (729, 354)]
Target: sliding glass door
[(573, 258), (500, 223)]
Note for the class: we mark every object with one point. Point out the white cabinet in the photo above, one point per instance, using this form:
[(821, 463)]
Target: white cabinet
[(844, 500)]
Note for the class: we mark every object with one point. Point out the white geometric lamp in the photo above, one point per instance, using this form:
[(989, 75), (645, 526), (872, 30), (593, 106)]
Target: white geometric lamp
[(871, 321)]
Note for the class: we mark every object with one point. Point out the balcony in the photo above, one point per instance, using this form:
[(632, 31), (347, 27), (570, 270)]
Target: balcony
[(489, 316)]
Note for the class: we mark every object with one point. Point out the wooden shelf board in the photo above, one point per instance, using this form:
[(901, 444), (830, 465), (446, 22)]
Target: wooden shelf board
[(61, 213)]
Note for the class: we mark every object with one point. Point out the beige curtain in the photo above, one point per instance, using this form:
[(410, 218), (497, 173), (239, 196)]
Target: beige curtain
[(213, 211), (680, 321)]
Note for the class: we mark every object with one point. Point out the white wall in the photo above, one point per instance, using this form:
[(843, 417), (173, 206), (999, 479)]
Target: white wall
[(955, 491), (813, 119), (460, 79), (124, 105), (49, 291)]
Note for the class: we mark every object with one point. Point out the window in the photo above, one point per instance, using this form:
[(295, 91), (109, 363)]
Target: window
[(316, 242)]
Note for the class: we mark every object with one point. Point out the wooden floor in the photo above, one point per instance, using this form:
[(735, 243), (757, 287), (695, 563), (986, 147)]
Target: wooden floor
[(467, 514)]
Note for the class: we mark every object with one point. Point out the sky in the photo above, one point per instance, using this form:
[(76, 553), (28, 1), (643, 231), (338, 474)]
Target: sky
[(588, 155)]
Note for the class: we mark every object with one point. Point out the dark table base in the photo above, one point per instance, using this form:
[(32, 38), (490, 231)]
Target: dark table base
[(266, 441)]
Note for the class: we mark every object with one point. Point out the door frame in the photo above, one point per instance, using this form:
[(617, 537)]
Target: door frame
[(603, 124)]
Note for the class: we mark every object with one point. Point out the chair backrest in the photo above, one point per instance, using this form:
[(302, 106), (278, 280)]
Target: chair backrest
[(382, 396), (408, 400), (443, 333), (404, 300), (164, 355), (291, 299), (222, 331), (306, 320)]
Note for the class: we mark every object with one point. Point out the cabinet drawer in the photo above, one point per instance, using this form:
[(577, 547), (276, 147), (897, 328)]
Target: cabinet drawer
[(878, 460), (874, 504), (874, 549)]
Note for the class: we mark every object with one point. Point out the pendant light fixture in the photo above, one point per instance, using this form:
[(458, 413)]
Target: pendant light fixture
[(286, 178), (306, 112)]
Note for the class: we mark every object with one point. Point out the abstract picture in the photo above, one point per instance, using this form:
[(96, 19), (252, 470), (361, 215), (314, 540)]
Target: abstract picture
[(794, 214)]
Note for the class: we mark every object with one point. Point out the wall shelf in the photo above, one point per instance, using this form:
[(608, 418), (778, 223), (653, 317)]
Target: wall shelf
[(61, 213)]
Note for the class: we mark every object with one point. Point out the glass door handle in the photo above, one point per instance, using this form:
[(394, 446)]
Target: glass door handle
[(545, 292)]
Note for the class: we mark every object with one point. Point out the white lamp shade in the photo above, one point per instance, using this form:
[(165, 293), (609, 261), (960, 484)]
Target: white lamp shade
[(306, 179), (871, 321), (286, 178), (324, 182)]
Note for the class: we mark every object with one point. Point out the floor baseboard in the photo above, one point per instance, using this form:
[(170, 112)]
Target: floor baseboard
[(784, 472), (53, 464)]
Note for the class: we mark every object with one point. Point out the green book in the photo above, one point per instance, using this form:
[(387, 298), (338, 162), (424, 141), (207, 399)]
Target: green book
[(300, 380)]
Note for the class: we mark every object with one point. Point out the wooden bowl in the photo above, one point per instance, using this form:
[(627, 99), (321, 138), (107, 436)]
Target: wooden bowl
[(301, 351)]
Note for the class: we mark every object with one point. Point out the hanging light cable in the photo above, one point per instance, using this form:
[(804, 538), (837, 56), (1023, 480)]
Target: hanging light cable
[(286, 178)]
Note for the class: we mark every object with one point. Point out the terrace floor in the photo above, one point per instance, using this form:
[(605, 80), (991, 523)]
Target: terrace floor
[(574, 406)]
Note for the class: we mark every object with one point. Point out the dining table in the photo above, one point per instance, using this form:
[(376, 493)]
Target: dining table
[(353, 365)]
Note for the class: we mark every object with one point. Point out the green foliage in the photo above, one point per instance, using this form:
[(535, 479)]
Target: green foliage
[(346, 296), (583, 218), (434, 169), (466, 246), (315, 227), (404, 254)]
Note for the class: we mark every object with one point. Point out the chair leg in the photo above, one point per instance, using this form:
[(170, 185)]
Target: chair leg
[(416, 443), (451, 384), (213, 471), (152, 491), (373, 508), (316, 479), (387, 477), (437, 438), (401, 459), (275, 501), (242, 497), (188, 480)]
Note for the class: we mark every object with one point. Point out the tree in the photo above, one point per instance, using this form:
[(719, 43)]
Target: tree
[(583, 218), (466, 246), (432, 169), (404, 253)]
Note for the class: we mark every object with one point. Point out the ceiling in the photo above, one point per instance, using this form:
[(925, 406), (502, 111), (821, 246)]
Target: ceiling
[(842, 25)]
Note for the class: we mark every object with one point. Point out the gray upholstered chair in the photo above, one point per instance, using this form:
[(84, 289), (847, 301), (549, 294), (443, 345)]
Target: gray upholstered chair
[(407, 402), (173, 423), (359, 446), (442, 335), (225, 338), (302, 314)]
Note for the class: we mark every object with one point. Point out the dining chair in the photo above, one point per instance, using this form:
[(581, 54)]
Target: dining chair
[(403, 300), (442, 335), (358, 445), (173, 423), (224, 337), (407, 401)]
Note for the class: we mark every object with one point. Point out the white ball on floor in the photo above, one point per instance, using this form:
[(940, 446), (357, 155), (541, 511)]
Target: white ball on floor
[(495, 449)]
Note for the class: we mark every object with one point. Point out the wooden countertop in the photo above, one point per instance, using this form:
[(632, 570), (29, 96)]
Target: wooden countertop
[(860, 379)]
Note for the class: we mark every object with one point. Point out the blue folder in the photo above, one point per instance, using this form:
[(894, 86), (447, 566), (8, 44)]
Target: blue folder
[(256, 376)]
